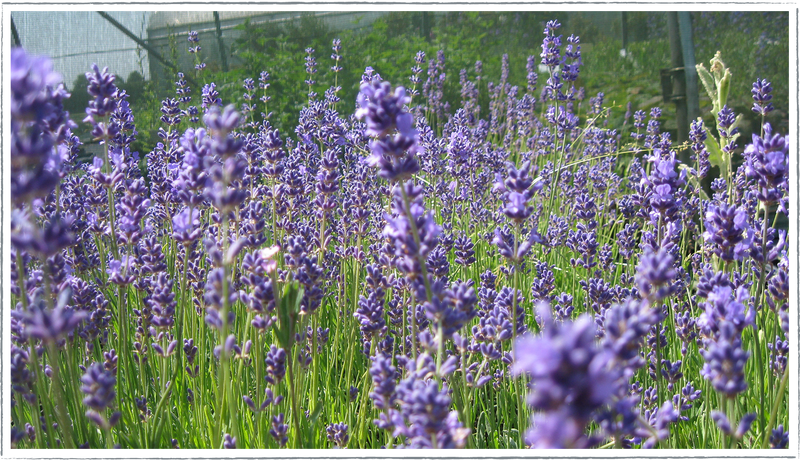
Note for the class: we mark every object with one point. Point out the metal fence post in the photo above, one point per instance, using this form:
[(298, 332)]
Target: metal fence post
[(687, 45), (220, 43), (144, 45), (678, 84)]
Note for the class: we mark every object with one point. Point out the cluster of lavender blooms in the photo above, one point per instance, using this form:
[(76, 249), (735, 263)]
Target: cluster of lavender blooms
[(420, 260)]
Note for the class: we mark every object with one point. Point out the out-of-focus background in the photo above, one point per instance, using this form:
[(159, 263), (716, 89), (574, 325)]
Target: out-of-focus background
[(625, 54)]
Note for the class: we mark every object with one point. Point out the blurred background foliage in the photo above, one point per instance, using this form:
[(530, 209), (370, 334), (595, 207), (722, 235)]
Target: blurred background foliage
[(753, 44)]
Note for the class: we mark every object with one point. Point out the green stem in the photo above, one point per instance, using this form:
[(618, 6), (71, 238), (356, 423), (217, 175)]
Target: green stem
[(731, 439), (222, 383), (41, 392), (759, 292), (21, 282), (61, 411), (292, 393), (778, 403)]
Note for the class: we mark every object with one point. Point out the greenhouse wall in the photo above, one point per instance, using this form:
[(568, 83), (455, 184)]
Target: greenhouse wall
[(166, 26), (74, 40)]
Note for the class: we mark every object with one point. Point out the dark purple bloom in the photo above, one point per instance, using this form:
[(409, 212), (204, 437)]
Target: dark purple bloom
[(728, 231), (186, 225), (698, 136), (726, 305), (162, 301), (411, 254), (131, 210), (464, 250), (504, 240), (726, 119), (22, 378), (779, 439), (384, 380), (35, 107), (516, 207), (17, 435), (228, 442), (98, 386), (767, 161), (724, 424), (50, 325), (762, 97), (551, 46), (626, 326), (121, 271), (276, 365), (572, 375), (210, 97), (655, 274), (337, 434), (385, 112), (279, 429), (725, 361), (102, 88), (370, 315), (660, 419), (425, 418), (42, 242)]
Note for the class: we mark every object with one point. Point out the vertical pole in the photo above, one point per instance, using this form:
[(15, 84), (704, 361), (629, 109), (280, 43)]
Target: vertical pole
[(678, 84), (220, 43), (14, 34), (625, 30), (689, 63), (144, 45)]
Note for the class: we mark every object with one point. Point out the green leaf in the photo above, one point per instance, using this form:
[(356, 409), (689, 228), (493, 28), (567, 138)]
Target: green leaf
[(287, 314), (314, 416), (723, 88), (714, 152), (716, 156), (708, 81)]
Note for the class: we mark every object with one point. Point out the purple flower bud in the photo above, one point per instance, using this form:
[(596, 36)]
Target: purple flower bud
[(249, 401), (722, 422), (228, 442)]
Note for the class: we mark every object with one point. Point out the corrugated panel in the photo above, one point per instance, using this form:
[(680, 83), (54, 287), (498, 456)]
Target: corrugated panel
[(162, 23), (75, 40)]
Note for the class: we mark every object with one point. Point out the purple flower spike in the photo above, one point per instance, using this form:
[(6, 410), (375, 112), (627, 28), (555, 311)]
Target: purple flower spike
[(727, 231), (762, 97), (35, 115), (655, 274), (384, 110), (222, 122), (51, 325), (337, 434), (725, 361), (98, 386), (767, 161), (185, 227), (573, 378)]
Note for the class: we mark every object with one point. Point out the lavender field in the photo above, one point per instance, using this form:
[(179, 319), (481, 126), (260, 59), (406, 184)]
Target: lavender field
[(397, 271)]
